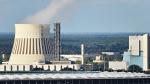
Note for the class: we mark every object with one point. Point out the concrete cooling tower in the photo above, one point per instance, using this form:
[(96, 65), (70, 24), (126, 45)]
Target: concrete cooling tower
[(31, 44)]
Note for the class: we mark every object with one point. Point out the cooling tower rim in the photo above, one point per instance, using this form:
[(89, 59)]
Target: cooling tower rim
[(18, 26), (32, 25)]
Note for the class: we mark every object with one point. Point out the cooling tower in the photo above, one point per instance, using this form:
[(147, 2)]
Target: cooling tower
[(31, 44)]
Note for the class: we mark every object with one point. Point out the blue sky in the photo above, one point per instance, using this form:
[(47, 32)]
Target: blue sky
[(83, 15)]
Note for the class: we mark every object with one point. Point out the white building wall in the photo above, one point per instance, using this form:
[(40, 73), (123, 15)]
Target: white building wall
[(51, 67), (20, 68), (73, 57), (45, 67), (117, 65), (8, 68), (2, 68), (14, 67), (145, 52), (135, 45), (27, 68)]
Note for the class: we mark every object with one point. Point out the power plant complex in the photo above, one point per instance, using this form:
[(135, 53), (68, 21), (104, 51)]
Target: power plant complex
[(34, 48)]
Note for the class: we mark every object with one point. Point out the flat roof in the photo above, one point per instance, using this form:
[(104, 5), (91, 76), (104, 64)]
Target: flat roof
[(73, 75)]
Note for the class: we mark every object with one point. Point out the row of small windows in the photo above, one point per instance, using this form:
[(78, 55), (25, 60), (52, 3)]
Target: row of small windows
[(32, 46)]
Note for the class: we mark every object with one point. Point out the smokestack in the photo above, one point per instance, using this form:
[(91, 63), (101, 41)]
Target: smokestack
[(82, 53), (57, 41)]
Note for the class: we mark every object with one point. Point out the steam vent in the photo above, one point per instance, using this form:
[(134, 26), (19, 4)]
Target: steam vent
[(31, 44)]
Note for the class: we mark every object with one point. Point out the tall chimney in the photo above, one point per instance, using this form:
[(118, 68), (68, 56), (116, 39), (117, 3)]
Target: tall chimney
[(57, 41), (82, 53)]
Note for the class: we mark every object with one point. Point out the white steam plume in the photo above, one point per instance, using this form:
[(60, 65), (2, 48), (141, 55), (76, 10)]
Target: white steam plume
[(45, 15)]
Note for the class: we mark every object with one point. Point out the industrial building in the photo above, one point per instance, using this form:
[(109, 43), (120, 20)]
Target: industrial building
[(76, 57), (99, 59), (33, 48), (118, 65), (138, 52), (111, 53)]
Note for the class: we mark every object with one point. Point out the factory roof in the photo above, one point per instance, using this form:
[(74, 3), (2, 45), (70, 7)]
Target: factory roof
[(73, 75)]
